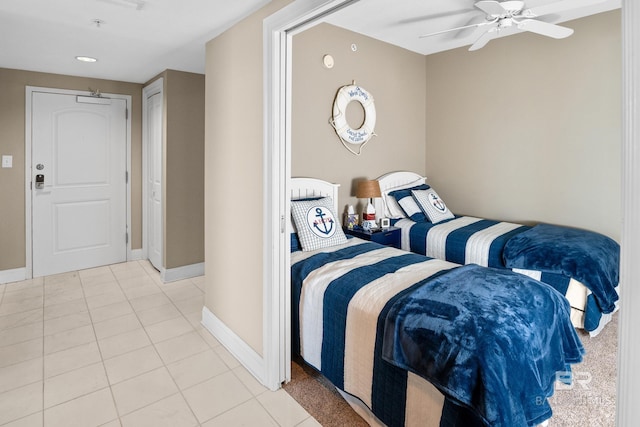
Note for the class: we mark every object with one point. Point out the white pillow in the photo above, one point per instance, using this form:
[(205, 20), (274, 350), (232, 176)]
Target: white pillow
[(432, 205), (317, 224)]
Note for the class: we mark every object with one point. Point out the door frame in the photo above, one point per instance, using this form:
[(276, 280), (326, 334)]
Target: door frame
[(28, 225), (278, 31), (157, 86)]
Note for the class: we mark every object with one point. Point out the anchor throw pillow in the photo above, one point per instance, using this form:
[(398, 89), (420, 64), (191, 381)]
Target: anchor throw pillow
[(317, 224), (432, 205)]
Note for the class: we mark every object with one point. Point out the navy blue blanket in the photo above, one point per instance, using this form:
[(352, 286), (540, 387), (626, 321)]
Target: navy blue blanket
[(589, 257), (501, 363)]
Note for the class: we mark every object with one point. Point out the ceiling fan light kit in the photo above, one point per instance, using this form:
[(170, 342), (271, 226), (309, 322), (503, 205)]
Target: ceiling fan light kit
[(512, 16)]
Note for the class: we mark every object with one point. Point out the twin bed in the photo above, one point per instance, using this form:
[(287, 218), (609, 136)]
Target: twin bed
[(414, 340), (582, 265)]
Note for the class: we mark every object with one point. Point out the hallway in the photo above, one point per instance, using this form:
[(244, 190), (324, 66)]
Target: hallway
[(114, 346)]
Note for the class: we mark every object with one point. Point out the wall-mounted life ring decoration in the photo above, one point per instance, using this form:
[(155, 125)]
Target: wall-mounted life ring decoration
[(353, 137)]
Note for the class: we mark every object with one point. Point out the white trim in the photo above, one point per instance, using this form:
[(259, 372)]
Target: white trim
[(247, 356), (27, 182), (184, 272), (13, 275), (278, 30), (628, 392), (157, 86), (136, 255), (29, 90)]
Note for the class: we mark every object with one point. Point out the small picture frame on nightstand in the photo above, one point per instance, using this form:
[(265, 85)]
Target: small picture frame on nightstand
[(385, 223)]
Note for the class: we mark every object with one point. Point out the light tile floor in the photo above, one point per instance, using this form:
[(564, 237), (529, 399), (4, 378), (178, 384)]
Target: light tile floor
[(114, 346)]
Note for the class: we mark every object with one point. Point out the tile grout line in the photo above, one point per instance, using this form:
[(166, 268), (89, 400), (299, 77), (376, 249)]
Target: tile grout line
[(104, 368), (165, 364), (27, 360), (180, 391), (57, 290), (43, 373), (153, 344)]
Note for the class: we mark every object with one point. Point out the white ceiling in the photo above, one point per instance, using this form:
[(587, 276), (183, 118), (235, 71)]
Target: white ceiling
[(402, 22), (131, 45), (140, 38)]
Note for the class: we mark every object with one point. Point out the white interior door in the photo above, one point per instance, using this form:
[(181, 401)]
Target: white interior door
[(79, 211), (154, 179)]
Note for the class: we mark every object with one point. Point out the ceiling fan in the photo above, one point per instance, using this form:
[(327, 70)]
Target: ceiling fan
[(509, 17)]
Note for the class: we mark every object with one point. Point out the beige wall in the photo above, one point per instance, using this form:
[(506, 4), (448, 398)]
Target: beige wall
[(233, 177), (12, 141), (529, 128), (533, 123), (183, 169), (395, 79), (549, 109)]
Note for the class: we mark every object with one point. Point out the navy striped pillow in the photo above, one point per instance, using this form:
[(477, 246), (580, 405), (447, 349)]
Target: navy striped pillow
[(408, 203)]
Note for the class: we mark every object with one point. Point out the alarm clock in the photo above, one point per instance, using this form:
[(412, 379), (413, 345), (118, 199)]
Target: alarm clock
[(385, 223)]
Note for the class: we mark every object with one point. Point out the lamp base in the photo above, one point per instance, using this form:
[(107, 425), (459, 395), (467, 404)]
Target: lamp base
[(369, 217)]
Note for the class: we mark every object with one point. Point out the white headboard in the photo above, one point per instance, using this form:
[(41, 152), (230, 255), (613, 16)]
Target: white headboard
[(302, 188), (394, 181)]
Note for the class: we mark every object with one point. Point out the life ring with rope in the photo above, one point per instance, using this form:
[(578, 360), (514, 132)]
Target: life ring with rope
[(349, 136)]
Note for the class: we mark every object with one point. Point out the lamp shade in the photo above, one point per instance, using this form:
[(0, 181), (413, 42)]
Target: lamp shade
[(368, 189)]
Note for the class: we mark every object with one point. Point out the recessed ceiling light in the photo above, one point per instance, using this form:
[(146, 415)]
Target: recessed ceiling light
[(137, 4), (86, 59)]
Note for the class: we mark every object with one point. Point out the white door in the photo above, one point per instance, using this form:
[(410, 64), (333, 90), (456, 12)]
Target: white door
[(79, 211), (154, 179)]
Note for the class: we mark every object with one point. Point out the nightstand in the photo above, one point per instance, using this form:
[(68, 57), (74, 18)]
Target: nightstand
[(389, 237)]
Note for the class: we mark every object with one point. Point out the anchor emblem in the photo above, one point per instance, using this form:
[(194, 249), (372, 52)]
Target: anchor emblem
[(321, 222), (437, 202)]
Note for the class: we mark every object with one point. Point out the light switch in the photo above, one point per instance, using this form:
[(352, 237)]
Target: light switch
[(7, 161)]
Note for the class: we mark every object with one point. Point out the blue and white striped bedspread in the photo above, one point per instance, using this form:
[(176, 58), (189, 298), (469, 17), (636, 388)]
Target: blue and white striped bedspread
[(470, 240), (462, 240), (340, 299)]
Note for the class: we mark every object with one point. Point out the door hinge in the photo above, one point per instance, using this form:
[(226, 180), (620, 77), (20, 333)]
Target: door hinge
[(126, 238), (126, 177), (126, 114)]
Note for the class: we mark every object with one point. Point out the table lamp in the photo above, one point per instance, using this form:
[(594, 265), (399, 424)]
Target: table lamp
[(368, 190)]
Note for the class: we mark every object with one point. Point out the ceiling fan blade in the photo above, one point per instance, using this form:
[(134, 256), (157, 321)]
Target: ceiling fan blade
[(479, 32), (491, 8), (558, 7), (453, 29), (544, 28), (485, 38)]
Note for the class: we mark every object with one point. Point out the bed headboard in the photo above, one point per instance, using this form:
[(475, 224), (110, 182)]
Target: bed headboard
[(302, 188), (393, 181)]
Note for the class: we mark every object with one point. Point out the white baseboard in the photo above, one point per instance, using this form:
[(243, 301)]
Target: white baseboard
[(184, 272), (247, 356), (135, 255), (13, 275)]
